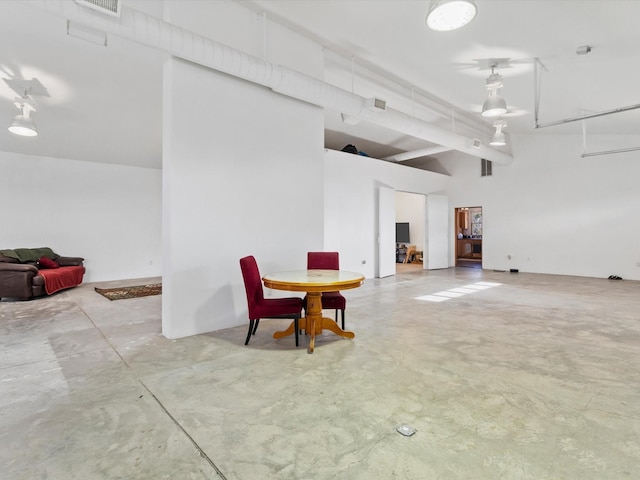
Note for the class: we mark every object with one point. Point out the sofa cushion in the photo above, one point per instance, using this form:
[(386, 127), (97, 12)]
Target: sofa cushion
[(44, 262), (30, 254), (6, 259)]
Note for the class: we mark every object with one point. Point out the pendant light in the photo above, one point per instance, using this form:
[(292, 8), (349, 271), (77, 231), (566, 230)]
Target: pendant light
[(22, 123), (446, 15), (499, 139), (494, 105)]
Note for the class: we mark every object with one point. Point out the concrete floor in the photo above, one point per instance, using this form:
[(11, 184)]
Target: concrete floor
[(536, 378)]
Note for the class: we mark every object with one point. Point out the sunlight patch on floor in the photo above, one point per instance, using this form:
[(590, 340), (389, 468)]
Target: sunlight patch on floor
[(458, 292)]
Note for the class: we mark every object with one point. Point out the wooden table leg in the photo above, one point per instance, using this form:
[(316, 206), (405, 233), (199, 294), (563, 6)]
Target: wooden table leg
[(314, 317), (284, 333), (314, 323)]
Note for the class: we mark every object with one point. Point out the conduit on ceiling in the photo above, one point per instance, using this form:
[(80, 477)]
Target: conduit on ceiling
[(181, 43), (537, 76)]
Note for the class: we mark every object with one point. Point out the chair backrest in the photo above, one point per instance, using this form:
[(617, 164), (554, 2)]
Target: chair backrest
[(252, 282), (323, 261)]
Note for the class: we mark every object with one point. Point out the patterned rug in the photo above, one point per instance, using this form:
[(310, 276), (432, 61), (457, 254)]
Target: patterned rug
[(130, 292)]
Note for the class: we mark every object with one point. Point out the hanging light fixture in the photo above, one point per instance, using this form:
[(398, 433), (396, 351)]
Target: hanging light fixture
[(22, 123), (499, 139), (494, 105), (445, 15)]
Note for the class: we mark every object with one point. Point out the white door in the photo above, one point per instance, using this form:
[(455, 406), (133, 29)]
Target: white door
[(386, 232), (437, 232)]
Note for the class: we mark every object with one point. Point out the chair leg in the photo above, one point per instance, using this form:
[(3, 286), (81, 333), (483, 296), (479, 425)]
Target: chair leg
[(336, 315), (251, 330), (256, 327), (342, 318), (295, 326)]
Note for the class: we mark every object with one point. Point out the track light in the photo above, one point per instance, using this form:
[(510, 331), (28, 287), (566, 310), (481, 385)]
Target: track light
[(445, 15), (494, 105), (22, 123), (499, 139)]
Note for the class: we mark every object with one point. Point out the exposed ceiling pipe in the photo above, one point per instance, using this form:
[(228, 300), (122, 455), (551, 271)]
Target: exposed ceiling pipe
[(154, 32), (538, 81), (610, 152), (586, 154), (589, 115), (427, 102), (423, 152)]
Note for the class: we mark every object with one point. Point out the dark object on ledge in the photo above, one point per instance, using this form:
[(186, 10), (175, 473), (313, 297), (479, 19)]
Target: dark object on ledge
[(350, 149), (26, 273)]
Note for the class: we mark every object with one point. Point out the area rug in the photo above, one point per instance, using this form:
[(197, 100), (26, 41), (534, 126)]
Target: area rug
[(136, 291)]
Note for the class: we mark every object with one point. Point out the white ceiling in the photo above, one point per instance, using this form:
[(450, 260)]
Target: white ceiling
[(104, 104)]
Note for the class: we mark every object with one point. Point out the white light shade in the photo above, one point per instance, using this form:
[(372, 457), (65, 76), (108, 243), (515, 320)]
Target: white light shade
[(445, 15), (499, 139), (24, 126), (494, 106)]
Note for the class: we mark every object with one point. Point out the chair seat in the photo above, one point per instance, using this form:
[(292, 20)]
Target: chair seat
[(333, 301), (277, 307)]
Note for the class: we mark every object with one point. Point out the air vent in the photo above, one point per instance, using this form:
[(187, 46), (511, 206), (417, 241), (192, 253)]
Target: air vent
[(108, 7), (486, 169), (376, 104)]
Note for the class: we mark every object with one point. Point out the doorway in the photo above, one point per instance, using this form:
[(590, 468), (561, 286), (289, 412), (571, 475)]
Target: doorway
[(410, 210), (433, 222), (468, 234)]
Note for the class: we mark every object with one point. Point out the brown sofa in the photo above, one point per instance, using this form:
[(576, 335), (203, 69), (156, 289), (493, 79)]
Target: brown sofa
[(33, 272)]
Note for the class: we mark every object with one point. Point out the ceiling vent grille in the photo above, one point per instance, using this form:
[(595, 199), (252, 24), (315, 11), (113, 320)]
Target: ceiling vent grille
[(486, 168), (108, 7)]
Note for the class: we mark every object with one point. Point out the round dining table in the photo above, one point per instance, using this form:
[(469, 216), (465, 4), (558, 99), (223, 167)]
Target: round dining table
[(314, 283)]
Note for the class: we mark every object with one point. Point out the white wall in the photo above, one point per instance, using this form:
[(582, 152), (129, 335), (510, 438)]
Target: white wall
[(242, 172), (243, 176), (351, 185), (410, 207), (108, 214), (553, 211)]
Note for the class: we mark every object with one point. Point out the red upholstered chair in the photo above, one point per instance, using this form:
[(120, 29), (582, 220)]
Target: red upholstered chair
[(259, 307), (328, 261)]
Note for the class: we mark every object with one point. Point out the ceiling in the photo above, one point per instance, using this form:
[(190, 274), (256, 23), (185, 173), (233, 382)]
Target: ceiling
[(104, 104)]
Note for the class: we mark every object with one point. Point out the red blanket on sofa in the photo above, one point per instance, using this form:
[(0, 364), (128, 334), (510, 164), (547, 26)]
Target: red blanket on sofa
[(61, 278)]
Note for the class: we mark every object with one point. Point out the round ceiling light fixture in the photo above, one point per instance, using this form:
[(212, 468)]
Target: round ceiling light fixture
[(446, 15)]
